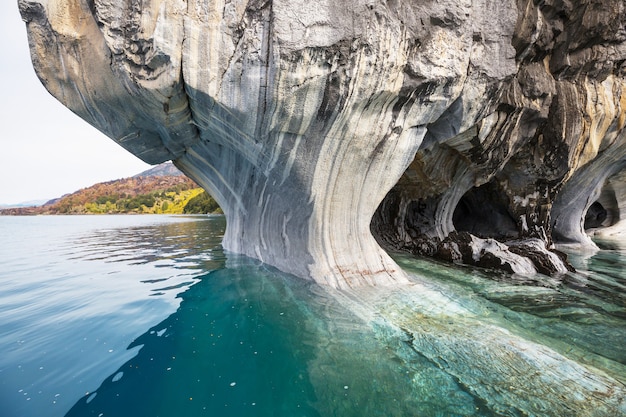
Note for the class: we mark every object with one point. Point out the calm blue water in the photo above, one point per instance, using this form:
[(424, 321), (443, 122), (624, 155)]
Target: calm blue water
[(147, 316)]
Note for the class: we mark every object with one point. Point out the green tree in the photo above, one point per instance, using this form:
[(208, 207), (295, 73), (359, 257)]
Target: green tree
[(107, 198), (201, 204)]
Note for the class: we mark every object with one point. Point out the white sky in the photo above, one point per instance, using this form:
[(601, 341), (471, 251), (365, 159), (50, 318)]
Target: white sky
[(45, 149)]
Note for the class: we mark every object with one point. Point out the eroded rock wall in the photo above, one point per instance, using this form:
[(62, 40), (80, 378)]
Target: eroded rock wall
[(529, 167), (301, 117)]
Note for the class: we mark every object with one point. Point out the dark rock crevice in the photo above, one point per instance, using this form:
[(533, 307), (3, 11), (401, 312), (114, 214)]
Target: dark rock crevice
[(595, 217), (608, 210), (483, 212)]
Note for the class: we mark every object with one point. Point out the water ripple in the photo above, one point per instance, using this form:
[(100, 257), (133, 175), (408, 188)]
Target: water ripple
[(76, 290)]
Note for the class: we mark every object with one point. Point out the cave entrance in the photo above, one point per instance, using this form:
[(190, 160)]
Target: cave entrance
[(483, 212), (604, 212), (596, 215)]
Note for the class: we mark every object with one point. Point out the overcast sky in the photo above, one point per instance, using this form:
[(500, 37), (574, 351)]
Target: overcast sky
[(45, 150)]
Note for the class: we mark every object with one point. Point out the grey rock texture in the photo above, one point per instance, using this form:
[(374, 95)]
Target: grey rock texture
[(317, 125)]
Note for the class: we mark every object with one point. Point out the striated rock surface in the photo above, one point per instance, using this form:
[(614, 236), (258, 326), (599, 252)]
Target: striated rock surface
[(477, 131)]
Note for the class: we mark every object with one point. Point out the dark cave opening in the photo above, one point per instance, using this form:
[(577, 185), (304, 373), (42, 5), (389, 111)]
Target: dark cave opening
[(483, 212), (595, 216), (419, 217), (605, 210)]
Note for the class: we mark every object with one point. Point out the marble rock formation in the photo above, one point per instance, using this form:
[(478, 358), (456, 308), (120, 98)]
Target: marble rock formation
[(476, 131)]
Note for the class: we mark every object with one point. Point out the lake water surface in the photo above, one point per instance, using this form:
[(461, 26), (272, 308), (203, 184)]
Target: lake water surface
[(147, 316)]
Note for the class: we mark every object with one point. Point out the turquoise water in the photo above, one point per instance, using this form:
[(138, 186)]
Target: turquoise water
[(147, 316)]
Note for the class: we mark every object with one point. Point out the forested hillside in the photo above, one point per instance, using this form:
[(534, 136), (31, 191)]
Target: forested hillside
[(154, 194)]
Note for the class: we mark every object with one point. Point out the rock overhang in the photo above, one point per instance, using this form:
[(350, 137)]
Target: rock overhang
[(304, 119)]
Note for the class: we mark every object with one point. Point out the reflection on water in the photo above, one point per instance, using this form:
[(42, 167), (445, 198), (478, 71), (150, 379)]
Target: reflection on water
[(76, 290), (250, 341), (225, 351), (146, 316)]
